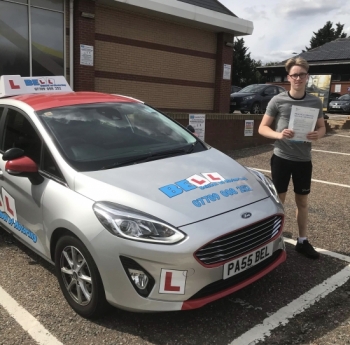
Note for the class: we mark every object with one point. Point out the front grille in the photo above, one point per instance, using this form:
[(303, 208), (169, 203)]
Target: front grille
[(240, 241), (224, 284)]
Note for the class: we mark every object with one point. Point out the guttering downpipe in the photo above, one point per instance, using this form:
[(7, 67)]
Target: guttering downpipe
[(71, 45)]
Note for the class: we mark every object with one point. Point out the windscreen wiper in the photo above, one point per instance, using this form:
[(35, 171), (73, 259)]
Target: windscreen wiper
[(149, 157)]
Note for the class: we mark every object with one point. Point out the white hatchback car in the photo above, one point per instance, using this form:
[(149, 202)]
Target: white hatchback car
[(133, 210)]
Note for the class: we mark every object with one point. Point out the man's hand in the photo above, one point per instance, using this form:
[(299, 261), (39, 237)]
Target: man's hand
[(286, 134), (312, 135)]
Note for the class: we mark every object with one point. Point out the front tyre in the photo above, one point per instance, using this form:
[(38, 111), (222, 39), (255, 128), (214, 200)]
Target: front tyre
[(79, 278), (256, 109)]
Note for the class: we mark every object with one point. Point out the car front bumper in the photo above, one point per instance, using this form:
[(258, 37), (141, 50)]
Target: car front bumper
[(339, 109), (179, 281)]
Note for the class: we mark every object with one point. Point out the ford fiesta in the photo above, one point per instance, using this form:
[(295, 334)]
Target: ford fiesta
[(132, 209)]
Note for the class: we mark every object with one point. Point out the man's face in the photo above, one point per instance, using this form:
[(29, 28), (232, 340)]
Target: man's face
[(298, 78)]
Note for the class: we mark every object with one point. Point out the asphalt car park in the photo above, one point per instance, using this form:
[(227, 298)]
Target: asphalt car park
[(301, 302)]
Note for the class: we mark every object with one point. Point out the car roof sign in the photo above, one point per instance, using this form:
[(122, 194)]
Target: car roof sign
[(14, 85)]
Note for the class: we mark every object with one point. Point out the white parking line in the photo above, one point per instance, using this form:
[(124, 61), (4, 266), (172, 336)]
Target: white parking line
[(339, 135), (28, 322), (337, 153), (313, 180), (282, 316)]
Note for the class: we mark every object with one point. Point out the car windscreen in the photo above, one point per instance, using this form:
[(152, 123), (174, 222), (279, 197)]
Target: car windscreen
[(105, 135), (252, 88), (344, 98)]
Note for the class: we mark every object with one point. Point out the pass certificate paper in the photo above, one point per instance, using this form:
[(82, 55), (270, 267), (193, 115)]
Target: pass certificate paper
[(302, 121)]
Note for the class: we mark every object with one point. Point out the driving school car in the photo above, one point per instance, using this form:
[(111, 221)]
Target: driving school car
[(132, 209)]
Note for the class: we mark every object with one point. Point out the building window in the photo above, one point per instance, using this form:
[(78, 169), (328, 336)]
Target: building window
[(47, 42), (277, 79), (14, 39), (35, 47)]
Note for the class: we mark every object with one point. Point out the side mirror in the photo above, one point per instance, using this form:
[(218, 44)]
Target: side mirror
[(24, 167), (12, 154)]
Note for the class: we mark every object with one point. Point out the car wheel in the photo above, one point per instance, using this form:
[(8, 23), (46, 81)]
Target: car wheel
[(79, 278), (243, 112), (255, 109)]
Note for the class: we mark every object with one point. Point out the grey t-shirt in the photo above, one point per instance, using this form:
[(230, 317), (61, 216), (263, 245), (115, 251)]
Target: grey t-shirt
[(280, 108)]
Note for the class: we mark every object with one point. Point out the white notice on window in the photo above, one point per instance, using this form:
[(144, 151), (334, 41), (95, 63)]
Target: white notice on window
[(302, 121), (86, 55), (198, 123), (227, 72)]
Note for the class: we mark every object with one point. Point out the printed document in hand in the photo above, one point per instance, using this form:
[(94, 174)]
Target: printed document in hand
[(302, 121)]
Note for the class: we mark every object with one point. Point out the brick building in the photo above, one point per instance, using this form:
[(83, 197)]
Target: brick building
[(173, 54)]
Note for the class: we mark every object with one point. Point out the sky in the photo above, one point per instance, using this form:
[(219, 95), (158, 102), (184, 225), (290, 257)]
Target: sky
[(283, 27)]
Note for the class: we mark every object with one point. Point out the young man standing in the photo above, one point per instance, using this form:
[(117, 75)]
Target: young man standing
[(293, 158)]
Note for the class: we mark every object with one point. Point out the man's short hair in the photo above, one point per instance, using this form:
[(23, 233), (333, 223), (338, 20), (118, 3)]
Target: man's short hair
[(298, 61)]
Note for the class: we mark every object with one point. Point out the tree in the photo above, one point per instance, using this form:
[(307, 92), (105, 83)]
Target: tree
[(244, 70), (326, 34)]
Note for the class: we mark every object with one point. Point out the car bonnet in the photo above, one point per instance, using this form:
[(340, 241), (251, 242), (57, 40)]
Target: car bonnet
[(179, 190)]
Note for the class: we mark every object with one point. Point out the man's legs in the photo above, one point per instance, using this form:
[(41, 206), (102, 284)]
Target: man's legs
[(282, 197), (302, 213)]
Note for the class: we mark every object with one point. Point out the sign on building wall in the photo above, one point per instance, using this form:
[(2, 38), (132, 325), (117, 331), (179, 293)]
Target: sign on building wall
[(248, 128), (320, 86), (86, 55), (337, 88), (227, 72), (197, 121)]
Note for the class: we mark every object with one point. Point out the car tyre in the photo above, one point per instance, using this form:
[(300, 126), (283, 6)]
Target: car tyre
[(255, 108), (79, 278)]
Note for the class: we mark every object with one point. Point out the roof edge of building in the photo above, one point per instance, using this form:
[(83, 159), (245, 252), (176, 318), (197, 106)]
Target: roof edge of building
[(205, 17)]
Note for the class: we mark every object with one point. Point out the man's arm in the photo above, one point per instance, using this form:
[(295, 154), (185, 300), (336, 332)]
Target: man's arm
[(266, 131)]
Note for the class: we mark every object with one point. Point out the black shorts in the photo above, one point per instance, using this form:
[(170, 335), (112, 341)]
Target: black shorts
[(283, 169)]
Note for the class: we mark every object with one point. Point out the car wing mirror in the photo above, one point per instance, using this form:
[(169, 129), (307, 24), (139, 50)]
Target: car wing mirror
[(24, 167), (12, 153)]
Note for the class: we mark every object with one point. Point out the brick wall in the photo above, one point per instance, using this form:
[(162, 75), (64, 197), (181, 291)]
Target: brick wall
[(225, 132), (222, 86), (84, 33), (171, 66)]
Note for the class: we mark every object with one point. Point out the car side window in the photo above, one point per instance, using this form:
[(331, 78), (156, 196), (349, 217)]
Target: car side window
[(280, 90), (271, 91), (20, 133), (49, 165)]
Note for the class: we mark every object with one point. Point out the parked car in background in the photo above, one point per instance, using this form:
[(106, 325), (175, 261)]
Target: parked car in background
[(340, 105), (333, 96), (254, 98), (235, 88)]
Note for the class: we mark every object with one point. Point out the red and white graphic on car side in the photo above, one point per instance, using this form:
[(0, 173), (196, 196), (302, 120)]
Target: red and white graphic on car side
[(172, 282), (9, 204), (213, 177), (198, 180), (2, 209)]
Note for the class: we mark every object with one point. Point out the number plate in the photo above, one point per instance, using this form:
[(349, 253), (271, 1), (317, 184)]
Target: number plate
[(336, 106), (247, 261)]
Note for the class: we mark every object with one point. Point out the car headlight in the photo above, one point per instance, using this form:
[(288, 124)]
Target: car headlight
[(248, 98), (347, 103), (267, 182), (132, 224)]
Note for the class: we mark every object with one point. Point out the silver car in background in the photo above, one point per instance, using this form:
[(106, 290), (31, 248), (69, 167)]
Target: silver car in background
[(132, 209)]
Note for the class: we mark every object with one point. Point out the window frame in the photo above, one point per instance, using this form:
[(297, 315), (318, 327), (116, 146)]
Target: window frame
[(3, 124)]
